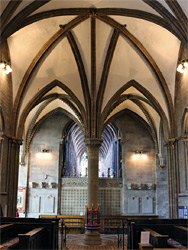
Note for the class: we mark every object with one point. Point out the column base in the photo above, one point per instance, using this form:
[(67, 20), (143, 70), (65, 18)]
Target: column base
[(92, 237)]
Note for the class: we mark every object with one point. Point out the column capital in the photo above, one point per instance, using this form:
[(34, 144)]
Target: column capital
[(13, 140), (93, 142), (16, 141), (172, 142), (185, 138)]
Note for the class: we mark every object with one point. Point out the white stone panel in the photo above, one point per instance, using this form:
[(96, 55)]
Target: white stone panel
[(49, 204), (147, 205), (133, 205)]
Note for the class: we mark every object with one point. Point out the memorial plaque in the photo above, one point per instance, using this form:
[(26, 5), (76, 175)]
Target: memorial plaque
[(49, 204), (133, 205), (147, 205), (35, 204)]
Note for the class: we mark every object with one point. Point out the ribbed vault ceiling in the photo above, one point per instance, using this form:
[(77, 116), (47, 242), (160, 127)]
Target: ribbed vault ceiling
[(94, 59)]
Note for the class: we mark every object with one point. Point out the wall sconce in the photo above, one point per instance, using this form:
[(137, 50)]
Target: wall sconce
[(161, 161), (182, 66), (6, 67), (139, 154), (44, 154), (22, 164)]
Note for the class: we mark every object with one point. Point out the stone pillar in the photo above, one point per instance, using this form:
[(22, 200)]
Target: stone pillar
[(124, 181), (185, 145), (9, 175), (173, 179), (92, 236), (162, 192)]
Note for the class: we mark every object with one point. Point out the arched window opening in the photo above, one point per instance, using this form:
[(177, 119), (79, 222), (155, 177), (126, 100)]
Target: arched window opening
[(84, 165), (110, 153)]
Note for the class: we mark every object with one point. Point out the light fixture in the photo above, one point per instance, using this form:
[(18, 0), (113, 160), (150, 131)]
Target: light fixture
[(139, 154), (161, 161), (6, 67), (44, 154), (182, 66)]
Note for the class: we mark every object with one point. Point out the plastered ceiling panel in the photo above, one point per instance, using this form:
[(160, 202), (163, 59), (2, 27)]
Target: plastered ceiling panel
[(56, 104), (26, 43), (58, 65), (156, 40), (129, 4), (127, 65), (56, 90), (130, 106), (132, 91)]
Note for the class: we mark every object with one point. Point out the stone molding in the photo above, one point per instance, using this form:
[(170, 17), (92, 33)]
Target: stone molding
[(83, 182), (93, 142)]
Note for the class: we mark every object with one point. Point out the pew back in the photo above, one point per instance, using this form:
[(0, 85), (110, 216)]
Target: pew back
[(25, 225), (161, 226)]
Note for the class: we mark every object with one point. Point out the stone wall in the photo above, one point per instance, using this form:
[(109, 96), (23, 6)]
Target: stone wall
[(43, 174), (142, 181), (181, 105), (142, 190)]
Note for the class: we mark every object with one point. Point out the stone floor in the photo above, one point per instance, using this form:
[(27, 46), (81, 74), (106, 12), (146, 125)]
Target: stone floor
[(109, 241)]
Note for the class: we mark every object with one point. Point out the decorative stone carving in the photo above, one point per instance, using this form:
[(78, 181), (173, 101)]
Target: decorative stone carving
[(43, 184), (33, 184), (93, 142), (52, 184), (141, 186)]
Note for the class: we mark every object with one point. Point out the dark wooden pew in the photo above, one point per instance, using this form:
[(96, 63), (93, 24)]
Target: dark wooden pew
[(4, 231), (161, 226), (113, 224), (110, 224), (33, 239), (74, 224), (180, 233), (7, 238), (156, 239), (25, 225)]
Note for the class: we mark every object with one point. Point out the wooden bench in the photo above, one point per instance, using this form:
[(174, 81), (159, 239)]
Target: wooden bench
[(72, 224), (4, 232), (7, 240), (33, 239), (113, 224), (12, 243), (22, 226), (161, 226), (156, 239), (110, 224), (143, 246)]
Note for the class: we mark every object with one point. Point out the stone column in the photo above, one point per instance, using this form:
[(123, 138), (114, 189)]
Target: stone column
[(124, 179), (92, 237), (185, 144), (173, 179), (9, 175)]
